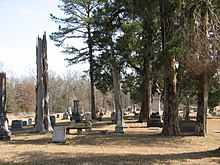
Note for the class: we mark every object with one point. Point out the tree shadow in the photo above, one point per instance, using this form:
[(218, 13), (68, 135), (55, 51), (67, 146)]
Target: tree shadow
[(46, 158)]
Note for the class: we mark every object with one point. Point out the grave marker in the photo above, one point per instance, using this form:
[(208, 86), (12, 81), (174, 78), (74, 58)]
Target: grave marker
[(59, 134), (17, 125)]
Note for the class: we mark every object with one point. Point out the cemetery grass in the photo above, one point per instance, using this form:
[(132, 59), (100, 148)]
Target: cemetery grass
[(137, 146)]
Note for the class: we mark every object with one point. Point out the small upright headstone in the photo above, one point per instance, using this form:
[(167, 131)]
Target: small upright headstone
[(155, 117), (72, 122), (29, 121), (53, 120), (17, 125), (156, 102), (89, 125), (24, 123), (59, 134), (113, 117), (88, 116), (65, 116)]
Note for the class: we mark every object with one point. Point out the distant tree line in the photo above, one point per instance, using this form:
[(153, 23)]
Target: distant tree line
[(21, 94)]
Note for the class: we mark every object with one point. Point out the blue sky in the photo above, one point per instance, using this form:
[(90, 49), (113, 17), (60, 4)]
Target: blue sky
[(21, 22)]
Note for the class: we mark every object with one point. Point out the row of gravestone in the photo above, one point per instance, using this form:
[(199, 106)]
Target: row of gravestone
[(17, 125)]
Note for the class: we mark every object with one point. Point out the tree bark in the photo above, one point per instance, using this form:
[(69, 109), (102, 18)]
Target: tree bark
[(146, 76), (42, 116), (91, 74), (201, 119), (171, 125)]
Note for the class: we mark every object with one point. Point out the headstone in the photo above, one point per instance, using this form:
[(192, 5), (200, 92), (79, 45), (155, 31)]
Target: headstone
[(53, 120), (156, 102), (89, 124), (136, 115), (65, 116), (88, 116), (59, 134), (72, 122), (187, 126), (29, 121), (17, 125), (24, 123), (69, 111), (113, 117), (155, 119)]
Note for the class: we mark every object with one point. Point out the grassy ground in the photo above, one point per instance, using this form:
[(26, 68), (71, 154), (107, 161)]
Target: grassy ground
[(137, 146)]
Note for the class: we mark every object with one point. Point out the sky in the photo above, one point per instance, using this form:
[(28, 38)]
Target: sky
[(22, 21)]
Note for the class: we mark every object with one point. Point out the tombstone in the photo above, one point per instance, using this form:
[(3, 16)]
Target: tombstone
[(75, 112), (53, 120), (16, 125), (136, 115), (155, 119), (29, 121), (5, 133), (113, 117), (88, 124), (24, 123), (156, 102), (187, 126), (69, 111), (65, 116), (59, 134), (88, 116), (72, 122)]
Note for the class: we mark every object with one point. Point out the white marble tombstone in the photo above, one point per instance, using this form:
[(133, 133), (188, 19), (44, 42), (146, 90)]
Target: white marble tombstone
[(156, 102), (59, 134)]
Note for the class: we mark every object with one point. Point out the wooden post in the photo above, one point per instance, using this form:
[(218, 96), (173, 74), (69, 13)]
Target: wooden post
[(42, 117)]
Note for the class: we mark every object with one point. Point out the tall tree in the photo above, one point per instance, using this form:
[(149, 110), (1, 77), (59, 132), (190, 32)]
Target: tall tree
[(77, 24), (108, 23), (202, 44), (168, 14)]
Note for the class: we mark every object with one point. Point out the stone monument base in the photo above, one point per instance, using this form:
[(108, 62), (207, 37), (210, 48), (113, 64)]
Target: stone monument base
[(155, 120)]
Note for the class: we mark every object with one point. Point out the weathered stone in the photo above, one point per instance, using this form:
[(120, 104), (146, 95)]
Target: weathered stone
[(16, 125), (59, 134)]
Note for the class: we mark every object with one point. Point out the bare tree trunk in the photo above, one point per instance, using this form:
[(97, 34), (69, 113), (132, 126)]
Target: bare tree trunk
[(146, 85), (201, 119), (42, 117)]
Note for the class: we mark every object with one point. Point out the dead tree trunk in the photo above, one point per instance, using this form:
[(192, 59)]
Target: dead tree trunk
[(42, 117)]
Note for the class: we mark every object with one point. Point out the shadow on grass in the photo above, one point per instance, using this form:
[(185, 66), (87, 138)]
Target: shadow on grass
[(46, 158), (134, 139)]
